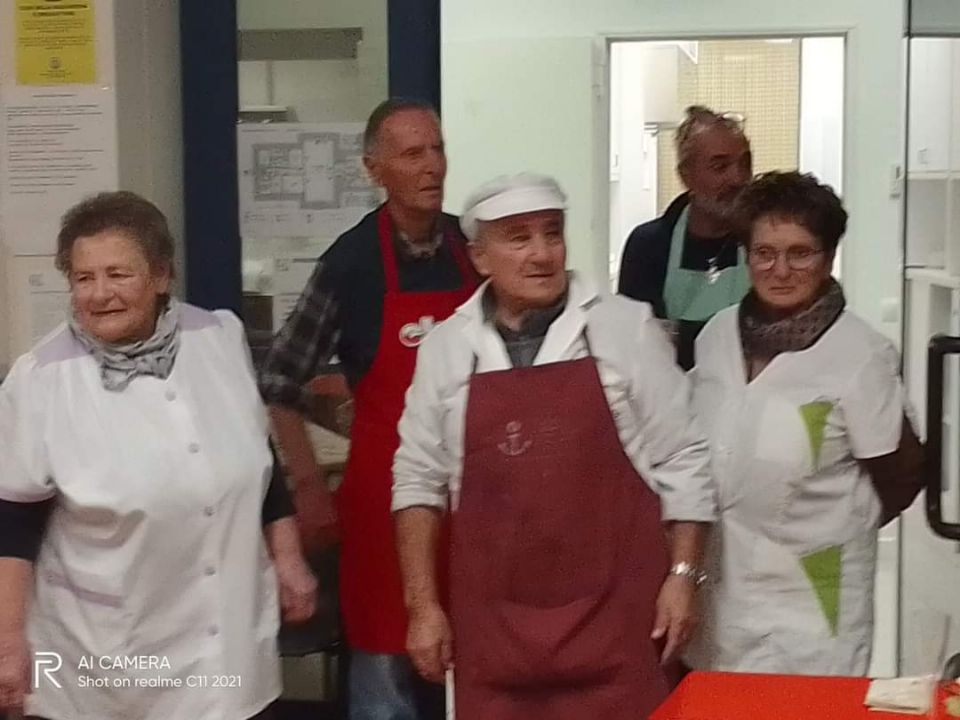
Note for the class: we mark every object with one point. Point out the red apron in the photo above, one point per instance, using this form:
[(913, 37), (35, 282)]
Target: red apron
[(371, 594), (557, 558)]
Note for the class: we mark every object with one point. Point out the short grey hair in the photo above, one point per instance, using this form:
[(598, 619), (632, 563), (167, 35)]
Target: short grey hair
[(699, 118), (386, 110)]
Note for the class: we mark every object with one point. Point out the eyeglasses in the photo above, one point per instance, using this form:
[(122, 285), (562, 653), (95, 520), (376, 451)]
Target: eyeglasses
[(798, 258)]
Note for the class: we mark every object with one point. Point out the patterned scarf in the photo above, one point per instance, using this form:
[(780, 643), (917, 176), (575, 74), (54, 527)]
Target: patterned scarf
[(763, 337), (120, 364)]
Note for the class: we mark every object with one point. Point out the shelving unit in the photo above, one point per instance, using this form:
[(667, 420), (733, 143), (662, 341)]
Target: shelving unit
[(933, 236), (933, 161), (933, 307)]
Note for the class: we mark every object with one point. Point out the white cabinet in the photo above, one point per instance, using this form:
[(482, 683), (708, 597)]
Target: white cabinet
[(926, 221), (931, 80), (933, 156), (933, 235)]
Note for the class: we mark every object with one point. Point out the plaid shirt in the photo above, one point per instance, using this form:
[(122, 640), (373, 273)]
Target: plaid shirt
[(311, 334), (305, 344)]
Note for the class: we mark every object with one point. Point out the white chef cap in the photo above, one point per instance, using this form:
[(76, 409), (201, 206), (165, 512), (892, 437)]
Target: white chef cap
[(510, 195)]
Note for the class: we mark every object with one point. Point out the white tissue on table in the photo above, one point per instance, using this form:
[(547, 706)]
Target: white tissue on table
[(910, 695)]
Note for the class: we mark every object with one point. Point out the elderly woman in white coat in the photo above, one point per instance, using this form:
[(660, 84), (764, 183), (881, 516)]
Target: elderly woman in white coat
[(143, 527), (811, 449)]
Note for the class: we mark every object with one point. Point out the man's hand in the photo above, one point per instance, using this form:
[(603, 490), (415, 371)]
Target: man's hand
[(14, 670), (429, 642), (297, 588), (678, 615), (316, 514)]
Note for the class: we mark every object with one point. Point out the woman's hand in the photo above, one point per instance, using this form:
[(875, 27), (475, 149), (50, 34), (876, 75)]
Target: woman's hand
[(14, 670), (297, 584)]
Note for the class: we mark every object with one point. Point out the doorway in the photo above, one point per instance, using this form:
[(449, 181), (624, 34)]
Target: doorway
[(789, 92)]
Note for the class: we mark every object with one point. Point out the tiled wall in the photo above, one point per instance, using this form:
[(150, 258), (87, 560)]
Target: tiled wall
[(755, 78)]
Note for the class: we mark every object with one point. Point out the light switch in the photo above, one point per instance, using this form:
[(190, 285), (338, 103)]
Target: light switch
[(896, 181)]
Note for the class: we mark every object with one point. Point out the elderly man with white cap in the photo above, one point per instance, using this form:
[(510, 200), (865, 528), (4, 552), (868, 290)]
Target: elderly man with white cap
[(552, 421)]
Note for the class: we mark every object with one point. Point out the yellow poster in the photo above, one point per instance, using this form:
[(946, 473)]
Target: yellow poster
[(56, 43)]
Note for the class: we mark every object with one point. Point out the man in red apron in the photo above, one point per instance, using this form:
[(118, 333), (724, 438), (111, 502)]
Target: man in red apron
[(373, 297), (555, 420)]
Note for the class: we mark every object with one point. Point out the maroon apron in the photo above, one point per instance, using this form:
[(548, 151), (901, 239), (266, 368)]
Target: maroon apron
[(371, 593), (558, 555)]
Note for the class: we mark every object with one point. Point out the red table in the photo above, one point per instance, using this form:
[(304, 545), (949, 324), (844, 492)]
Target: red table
[(728, 696)]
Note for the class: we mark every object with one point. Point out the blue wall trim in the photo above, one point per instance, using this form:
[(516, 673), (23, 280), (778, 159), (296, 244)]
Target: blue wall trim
[(208, 42), (414, 49)]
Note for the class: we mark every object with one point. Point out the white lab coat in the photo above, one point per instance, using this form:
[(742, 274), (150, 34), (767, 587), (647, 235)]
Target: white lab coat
[(155, 546), (793, 555), (648, 396)]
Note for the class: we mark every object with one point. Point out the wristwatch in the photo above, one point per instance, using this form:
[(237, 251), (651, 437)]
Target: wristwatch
[(686, 570)]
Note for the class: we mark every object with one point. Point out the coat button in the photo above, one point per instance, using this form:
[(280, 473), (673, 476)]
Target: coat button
[(210, 571), (193, 448), (208, 511), (170, 395)]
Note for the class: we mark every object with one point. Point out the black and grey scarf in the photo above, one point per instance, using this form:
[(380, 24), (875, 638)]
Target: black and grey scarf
[(120, 364), (764, 337)]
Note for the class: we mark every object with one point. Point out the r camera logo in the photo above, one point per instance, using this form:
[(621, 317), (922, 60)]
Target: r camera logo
[(47, 664)]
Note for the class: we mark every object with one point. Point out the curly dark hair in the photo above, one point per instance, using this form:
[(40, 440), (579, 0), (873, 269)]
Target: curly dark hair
[(795, 197), (121, 211)]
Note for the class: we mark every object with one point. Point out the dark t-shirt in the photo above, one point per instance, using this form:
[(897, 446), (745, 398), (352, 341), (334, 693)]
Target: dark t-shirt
[(643, 269)]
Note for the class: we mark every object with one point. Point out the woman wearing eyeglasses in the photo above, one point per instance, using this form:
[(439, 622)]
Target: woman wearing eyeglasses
[(805, 412)]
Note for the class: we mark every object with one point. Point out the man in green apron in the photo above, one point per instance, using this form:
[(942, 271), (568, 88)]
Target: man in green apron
[(688, 263)]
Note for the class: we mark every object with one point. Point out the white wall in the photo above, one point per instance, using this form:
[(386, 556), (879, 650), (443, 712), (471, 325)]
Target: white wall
[(821, 109), (520, 91), (643, 89), (510, 106), (318, 90)]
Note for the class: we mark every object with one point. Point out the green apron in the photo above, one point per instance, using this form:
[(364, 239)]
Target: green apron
[(693, 294)]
